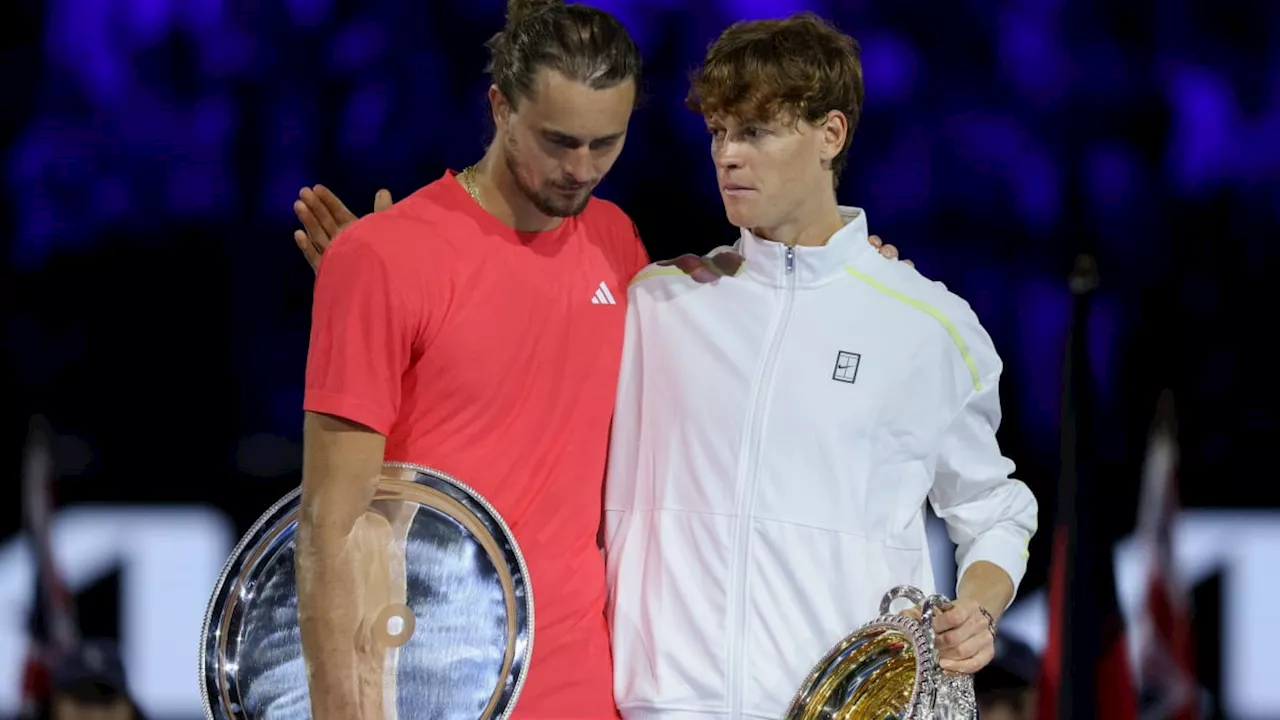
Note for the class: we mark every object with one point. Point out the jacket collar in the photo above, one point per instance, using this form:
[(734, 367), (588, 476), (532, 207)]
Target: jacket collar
[(766, 260)]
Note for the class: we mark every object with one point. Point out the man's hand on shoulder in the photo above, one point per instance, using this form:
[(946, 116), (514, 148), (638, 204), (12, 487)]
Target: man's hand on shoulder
[(887, 250), (323, 216), (709, 268)]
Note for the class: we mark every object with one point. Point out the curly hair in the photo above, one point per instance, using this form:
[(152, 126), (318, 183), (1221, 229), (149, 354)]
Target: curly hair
[(799, 68), (585, 44)]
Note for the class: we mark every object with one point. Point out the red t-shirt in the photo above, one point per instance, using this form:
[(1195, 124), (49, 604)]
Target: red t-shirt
[(493, 355)]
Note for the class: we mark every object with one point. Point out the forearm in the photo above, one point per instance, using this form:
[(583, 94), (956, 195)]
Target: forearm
[(341, 464), (988, 585)]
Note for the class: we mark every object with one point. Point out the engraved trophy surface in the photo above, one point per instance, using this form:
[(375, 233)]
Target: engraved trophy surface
[(447, 628), (887, 670)]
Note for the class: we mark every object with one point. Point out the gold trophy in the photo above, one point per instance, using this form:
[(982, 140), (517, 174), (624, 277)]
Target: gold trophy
[(887, 670)]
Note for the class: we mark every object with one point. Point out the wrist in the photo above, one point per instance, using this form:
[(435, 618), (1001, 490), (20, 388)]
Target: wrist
[(988, 586)]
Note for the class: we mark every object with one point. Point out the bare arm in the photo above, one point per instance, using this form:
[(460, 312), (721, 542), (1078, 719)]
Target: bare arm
[(987, 585), (340, 468)]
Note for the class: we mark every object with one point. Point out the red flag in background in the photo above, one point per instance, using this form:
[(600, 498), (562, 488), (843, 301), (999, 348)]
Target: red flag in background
[(1085, 672), (1166, 664)]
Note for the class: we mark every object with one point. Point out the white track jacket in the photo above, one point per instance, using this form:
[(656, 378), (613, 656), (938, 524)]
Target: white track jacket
[(775, 439)]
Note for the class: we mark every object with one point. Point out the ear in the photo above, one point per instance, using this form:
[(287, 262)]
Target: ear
[(835, 134), (499, 107)]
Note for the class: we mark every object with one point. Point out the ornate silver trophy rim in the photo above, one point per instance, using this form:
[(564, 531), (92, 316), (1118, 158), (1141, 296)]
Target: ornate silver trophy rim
[(270, 517), (928, 679)]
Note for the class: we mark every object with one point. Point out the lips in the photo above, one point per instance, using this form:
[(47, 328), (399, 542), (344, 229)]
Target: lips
[(735, 189)]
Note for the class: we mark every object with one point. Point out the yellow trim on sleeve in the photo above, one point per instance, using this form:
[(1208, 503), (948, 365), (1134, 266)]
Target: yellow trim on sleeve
[(928, 310), (653, 272)]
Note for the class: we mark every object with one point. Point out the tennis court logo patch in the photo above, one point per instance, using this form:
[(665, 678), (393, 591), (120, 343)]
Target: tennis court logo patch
[(846, 367)]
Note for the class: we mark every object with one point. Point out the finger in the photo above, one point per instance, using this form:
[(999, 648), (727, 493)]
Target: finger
[(381, 200), (335, 207), (308, 250), (951, 645), (875, 241), (908, 263), (727, 263), (964, 623), (968, 666), (315, 234), (972, 647), (949, 620), (321, 210), (695, 267), (889, 251), (971, 661), (698, 269), (913, 613), (973, 630), (955, 643), (319, 213)]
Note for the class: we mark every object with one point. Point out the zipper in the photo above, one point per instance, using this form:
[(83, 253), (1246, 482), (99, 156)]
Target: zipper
[(749, 464)]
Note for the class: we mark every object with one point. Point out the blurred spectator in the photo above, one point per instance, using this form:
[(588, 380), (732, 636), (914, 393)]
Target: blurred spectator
[(89, 684)]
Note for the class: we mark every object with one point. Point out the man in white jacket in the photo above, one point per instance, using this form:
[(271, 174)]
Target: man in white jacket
[(778, 433)]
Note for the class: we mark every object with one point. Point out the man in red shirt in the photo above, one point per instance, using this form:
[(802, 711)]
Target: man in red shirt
[(476, 327)]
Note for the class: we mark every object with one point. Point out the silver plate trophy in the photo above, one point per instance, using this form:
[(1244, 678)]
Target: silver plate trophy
[(448, 626), (887, 670)]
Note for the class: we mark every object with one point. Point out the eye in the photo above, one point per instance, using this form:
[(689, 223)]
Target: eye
[(559, 140), (751, 132)]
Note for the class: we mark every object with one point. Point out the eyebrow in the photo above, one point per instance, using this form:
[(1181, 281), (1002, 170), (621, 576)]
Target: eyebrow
[(566, 137)]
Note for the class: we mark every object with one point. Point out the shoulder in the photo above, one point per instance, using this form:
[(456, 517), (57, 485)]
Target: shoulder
[(606, 213), (397, 251), (605, 219), (946, 312), (663, 273), (401, 236)]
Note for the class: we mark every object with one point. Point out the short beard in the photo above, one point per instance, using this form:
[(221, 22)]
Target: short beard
[(544, 204)]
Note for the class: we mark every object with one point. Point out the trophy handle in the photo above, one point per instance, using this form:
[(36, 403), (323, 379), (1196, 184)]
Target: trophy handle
[(929, 608), (953, 692), (902, 592), (934, 677)]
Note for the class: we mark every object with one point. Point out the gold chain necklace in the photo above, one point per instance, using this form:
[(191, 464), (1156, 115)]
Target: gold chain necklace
[(468, 177)]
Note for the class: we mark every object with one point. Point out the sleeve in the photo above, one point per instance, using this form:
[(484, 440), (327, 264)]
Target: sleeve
[(363, 335), (989, 515)]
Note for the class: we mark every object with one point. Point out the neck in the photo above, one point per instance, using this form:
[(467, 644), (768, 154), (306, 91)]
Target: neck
[(811, 225), (500, 195)]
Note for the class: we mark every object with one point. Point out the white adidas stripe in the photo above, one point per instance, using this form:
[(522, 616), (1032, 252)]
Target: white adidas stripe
[(603, 296)]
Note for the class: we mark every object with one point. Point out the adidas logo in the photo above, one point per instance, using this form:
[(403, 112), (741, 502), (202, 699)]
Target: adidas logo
[(603, 296)]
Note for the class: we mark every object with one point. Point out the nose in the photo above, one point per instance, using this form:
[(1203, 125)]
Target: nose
[(725, 155), (578, 165)]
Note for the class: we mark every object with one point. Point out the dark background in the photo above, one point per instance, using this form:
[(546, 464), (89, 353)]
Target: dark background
[(156, 309)]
